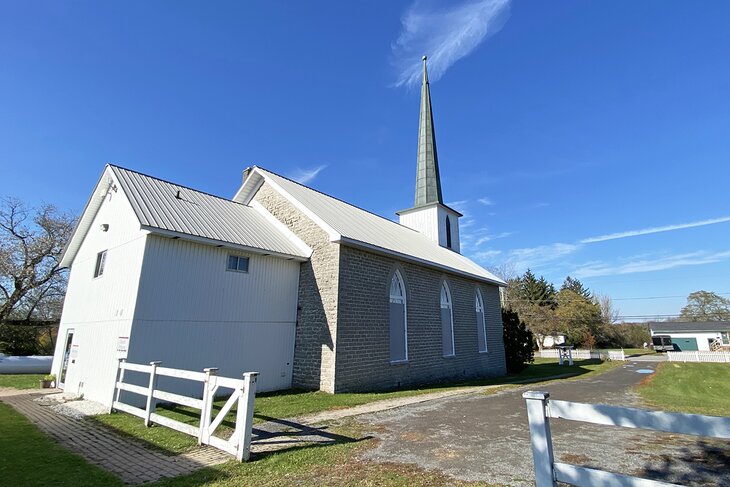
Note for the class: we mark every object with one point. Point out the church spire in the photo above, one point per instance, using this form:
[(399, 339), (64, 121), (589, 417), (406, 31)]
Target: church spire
[(429, 215), (428, 181)]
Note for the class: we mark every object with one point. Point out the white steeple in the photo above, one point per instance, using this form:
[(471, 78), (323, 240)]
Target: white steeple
[(429, 215)]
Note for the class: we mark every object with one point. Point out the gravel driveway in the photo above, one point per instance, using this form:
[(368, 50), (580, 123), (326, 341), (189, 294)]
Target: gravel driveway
[(479, 437)]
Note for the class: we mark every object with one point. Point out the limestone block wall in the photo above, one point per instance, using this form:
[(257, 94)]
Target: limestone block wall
[(363, 361), (314, 349)]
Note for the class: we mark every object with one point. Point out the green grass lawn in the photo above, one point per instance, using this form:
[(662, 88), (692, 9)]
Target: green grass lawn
[(699, 388), (292, 403), (338, 464), (30, 458), (21, 381)]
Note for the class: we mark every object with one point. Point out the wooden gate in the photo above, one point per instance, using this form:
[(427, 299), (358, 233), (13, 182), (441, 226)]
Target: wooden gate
[(243, 395)]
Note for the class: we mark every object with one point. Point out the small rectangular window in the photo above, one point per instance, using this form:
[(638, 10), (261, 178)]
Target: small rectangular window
[(725, 338), (237, 263), (100, 261)]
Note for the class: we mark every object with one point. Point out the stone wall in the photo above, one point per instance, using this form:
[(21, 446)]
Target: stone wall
[(363, 361), (314, 349)]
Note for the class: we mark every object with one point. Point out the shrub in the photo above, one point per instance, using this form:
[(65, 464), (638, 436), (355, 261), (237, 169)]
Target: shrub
[(18, 340), (518, 342)]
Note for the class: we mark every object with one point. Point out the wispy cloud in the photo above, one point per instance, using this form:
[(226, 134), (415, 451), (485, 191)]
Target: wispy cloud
[(532, 257), (486, 255), (597, 269), (489, 238), (549, 253), (305, 176), (446, 33), (485, 201), (650, 230)]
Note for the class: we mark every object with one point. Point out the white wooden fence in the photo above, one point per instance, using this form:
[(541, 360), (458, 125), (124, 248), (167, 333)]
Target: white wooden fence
[(548, 472), (244, 392), (699, 356), (586, 354)]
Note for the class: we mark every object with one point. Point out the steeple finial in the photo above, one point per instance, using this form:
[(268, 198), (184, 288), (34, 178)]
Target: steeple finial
[(428, 181)]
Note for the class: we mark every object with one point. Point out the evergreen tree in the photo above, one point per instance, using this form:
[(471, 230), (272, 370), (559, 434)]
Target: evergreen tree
[(517, 342), (576, 286)]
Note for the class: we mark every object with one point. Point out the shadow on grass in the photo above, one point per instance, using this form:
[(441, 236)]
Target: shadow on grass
[(284, 435)]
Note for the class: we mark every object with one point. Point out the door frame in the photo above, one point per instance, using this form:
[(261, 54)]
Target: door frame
[(65, 357)]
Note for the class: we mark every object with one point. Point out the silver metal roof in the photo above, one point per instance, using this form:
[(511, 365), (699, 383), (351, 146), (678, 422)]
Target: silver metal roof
[(351, 225), (174, 210), (167, 206), (688, 326)]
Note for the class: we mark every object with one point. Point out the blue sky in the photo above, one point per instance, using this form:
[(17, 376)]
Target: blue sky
[(558, 123)]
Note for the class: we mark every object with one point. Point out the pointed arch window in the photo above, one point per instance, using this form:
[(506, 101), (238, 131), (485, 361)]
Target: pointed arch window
[(447, 321), (448, 232), (481, 325), (398, 320)]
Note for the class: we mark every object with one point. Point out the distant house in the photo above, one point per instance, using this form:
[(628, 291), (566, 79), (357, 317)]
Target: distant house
[(306, 289), (550, 341), (693, 335)]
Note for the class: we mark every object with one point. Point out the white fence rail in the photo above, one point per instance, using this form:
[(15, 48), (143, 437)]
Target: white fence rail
[(587, 354), (244, 392), (699, 356), (548, 472)]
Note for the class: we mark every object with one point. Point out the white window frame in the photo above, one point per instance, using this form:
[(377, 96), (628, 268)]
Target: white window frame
[(400, 299), (449, 304), (238, 258), (99, 264), (481, 327)]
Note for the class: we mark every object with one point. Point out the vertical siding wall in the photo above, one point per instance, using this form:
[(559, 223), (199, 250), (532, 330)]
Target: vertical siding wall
[(192, 313), (314, 353), (363, 361), (424, 221), (101, 309)]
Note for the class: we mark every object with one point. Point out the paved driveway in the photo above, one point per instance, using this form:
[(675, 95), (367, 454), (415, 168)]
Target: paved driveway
[(480, 437)]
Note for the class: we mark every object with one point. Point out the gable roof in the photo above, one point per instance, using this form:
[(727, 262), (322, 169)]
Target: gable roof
[(688, 326), (350, 225), (170, 209)]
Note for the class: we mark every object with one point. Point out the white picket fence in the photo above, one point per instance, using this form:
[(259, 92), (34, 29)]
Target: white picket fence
[(586, 354), (244, 392), (548, 472), (699, 356)]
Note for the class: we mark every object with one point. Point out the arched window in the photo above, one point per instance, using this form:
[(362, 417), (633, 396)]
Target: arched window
[(448, 232), (398, 325), (447, 321), (481, 326)]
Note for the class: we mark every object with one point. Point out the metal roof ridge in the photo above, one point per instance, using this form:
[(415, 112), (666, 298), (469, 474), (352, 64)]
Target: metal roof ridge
[(182, 186), (338, 199)]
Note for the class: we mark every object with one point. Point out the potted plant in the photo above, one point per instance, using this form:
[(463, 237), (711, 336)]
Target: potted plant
[(48, 381)]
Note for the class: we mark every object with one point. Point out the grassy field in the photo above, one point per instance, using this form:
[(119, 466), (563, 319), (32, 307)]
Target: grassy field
[(21, 381), (292, 403), (689, 388), (338, 464), (30, 458)]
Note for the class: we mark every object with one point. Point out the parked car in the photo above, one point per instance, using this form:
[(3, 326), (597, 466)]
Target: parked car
[(662, 343)]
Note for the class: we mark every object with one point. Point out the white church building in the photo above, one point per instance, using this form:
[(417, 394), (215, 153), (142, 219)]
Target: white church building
[(304, 288)]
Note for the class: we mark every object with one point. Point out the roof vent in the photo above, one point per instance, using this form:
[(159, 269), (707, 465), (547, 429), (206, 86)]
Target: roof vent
[(178, 195)]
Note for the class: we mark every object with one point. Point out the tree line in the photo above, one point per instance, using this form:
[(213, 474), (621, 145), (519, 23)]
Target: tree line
[(584, 318)]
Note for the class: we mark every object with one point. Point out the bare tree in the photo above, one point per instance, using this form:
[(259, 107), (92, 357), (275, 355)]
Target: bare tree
[(31, 243), (609, 312)]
